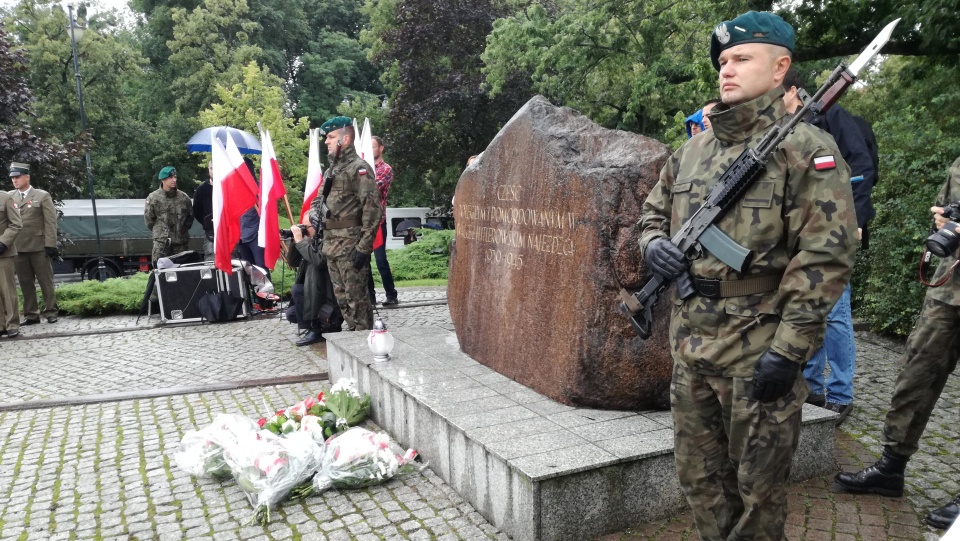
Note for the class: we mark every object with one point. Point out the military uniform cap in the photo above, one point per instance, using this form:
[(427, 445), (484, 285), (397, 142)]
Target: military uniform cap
[(17, 169), (751, 27), (167, 172), (335, 124)]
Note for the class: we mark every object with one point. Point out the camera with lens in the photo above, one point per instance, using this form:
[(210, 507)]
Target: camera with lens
[(944, 242), (287, 234)]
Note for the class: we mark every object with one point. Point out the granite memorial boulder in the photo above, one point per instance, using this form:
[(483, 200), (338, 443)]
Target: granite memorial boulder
[(546, 238)]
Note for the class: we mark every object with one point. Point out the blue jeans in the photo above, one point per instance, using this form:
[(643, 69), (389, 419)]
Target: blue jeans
[(383, 266), (839, 351)]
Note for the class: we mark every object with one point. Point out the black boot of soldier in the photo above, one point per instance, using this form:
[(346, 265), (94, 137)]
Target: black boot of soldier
[(943, 518), (884, 478)]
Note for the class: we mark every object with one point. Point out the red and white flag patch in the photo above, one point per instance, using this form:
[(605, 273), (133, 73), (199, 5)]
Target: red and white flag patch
[(824, 162), (362, 171)]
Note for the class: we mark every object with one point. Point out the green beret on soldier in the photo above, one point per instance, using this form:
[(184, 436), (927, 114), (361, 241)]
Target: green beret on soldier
[(350, 212)]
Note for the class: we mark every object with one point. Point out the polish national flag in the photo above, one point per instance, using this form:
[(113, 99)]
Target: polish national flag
[(234, 192), (271, 191), (314, 173)]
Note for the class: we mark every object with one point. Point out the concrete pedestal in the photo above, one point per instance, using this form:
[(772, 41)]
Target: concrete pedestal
[(535, 468)]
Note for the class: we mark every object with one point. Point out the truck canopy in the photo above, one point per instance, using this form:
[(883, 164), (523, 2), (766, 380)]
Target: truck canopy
[(118, 219)]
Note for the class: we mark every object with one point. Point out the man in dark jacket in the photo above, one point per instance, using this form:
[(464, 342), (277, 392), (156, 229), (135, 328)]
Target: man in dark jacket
[(315, 307), (203, 213)]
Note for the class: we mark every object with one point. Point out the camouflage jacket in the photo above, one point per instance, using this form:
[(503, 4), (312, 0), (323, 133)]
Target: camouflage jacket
[(949, 292), (798, 221), (353, 196), (169, 215)]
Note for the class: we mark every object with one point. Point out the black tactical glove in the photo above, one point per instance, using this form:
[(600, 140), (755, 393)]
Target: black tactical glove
[(774, 376), (3, 248), (685, 288), (51, 252), (665, 259), (360, 259), (315, 220)]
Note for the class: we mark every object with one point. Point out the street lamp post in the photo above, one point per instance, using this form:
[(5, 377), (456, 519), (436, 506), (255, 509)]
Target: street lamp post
[(101, 268)]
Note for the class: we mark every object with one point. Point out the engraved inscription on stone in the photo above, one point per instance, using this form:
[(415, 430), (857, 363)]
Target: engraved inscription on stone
[(546, 237)]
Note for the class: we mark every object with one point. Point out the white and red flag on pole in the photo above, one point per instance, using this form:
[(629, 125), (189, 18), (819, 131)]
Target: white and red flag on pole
[(271, 191), (311, 187), (234, 192)]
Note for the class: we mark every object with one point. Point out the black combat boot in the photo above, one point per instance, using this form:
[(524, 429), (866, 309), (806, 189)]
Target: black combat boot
[(884, 478), (943, 518)]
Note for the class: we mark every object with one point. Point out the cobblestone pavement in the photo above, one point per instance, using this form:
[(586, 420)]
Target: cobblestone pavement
[(105, 471)]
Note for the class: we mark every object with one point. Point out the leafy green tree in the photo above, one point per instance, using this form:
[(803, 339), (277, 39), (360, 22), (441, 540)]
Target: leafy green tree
[(631, 65), (440, 114), (210, 46), (259, 97), (109, 59), (55, 166)]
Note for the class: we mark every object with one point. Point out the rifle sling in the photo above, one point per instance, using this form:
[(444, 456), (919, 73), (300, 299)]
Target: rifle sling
[(722, 289)]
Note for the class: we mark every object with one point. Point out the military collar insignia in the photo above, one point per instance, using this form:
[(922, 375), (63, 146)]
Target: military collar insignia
[(723, 35)]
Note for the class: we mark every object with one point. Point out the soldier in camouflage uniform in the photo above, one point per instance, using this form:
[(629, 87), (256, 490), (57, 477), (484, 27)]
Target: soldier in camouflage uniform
[(738, 345), (168, 213), (350, 222), (932, 353)]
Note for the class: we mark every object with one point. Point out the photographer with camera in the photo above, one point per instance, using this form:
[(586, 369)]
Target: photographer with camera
[(931, 355), (314, 309)]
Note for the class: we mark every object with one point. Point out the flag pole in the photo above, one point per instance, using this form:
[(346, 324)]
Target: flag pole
[(286, 200)]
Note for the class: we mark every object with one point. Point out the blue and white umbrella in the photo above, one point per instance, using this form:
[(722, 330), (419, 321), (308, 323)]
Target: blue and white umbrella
[(246, 141)]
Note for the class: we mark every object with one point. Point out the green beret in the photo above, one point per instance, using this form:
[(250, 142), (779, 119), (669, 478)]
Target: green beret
[(751, 27), (17, 169), (167, 172), (335, 124)]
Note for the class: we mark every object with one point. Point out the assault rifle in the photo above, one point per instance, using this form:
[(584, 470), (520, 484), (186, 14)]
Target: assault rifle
[(320, 205), (700, 231)]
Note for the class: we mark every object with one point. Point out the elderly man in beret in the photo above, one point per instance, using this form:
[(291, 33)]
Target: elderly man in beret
[(168, 213), (36, 245), (10, 225), (348, 212), (737, 388)]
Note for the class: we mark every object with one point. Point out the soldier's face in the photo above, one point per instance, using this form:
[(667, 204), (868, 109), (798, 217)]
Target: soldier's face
[(20, 182), (169, 183), (749, 70), (332, 139)]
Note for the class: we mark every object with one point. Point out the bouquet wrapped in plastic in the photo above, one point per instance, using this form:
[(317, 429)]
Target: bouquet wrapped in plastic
[(201, 451), (359, 458), (267, 467)]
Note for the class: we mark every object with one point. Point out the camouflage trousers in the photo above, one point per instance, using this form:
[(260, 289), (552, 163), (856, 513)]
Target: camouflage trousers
[(733, 454), (350, 289), (158, 250), (931, 355)]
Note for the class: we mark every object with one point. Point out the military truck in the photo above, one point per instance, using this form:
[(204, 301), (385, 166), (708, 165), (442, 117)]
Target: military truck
[(126, 241)]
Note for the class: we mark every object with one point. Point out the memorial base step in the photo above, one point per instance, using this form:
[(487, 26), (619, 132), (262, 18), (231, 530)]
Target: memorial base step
[(535, 468)]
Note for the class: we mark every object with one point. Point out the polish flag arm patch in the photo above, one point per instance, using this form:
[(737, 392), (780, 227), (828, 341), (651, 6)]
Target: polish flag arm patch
[(824, 162)]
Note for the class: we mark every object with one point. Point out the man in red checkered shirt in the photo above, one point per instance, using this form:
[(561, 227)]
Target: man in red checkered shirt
[(384, 178)]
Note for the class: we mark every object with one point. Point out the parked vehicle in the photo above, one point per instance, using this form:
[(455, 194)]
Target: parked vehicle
[(420, 216), (126, 241)]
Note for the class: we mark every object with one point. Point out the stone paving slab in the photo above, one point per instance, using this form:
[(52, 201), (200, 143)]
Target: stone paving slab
[(153, 358), (106, 472)]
